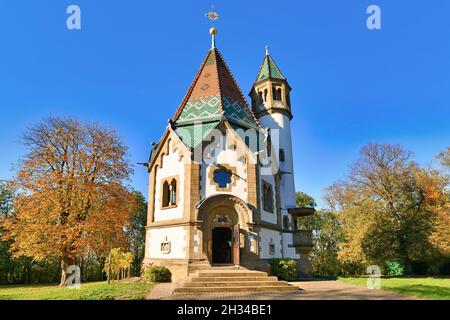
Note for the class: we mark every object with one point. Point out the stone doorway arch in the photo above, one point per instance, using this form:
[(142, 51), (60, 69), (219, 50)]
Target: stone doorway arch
[(226, 212)]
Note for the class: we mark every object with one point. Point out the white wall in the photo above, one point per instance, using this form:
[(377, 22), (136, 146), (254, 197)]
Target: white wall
[(172, 166), (177, 238), (289, 252), (266, 235), (224, 157), (281, 139)]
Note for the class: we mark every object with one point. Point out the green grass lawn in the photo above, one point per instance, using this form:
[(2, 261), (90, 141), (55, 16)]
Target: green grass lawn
[(425, 288), (88, 291)]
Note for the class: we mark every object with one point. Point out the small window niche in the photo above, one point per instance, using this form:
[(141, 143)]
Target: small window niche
[(282, 155), (269, 146), (286, 223), (276, 93), (267, 196), (222, 178)]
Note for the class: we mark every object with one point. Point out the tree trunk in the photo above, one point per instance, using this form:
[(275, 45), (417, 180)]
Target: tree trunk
[(109, 267), (65, 263)]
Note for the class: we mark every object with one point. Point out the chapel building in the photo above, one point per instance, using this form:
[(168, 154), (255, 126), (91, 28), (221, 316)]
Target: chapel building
[(221, 178)]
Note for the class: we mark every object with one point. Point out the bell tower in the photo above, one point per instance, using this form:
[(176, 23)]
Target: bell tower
[(271, 92), (271, 104)]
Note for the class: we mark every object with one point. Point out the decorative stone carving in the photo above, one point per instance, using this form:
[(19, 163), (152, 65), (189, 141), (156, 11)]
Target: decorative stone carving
[(165, 246), (271, 247), (253, 245), (242, 240), (222, 219)]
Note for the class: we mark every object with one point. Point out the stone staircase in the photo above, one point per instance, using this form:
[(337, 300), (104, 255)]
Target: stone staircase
[(231, 279)]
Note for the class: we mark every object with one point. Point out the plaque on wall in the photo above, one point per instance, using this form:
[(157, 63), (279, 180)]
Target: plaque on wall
[(271, 247), (165, 246)]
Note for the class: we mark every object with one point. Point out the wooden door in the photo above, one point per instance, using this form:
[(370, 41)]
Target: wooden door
[(236, 245)]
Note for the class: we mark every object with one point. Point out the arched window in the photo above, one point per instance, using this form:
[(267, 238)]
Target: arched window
[(173, 192), (265, 95), (165, 195), (169, 193), (267, 197), (269, 146), (247, 141), (282, 155), (260, 94), (276, 93), (286, 222)]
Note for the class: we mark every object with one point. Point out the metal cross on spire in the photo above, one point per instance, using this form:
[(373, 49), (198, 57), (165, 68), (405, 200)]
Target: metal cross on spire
[(213, 16)]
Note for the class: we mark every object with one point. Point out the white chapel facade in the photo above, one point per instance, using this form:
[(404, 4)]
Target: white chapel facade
[(221, 178)]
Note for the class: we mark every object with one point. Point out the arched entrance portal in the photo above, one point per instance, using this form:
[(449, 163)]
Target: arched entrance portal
[(224, 219)]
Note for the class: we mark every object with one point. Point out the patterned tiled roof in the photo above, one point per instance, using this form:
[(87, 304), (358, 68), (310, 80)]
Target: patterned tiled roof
[(269, 69), (213, 96)]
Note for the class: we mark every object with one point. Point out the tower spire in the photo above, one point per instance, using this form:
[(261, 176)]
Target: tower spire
[(213, 16), (267, 50)]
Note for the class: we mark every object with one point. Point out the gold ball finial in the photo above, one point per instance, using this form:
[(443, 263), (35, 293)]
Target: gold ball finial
[(213, 31)]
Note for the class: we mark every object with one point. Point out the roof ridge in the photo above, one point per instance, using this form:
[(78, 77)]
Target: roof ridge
[(276, 66), (237, 86), (260, 68), (219, 84), (191, 88)]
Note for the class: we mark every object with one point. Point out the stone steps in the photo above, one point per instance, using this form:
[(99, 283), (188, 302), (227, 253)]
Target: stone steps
[(223, 274), (235, 284), (236, 279), (235, 289), (218, 279)]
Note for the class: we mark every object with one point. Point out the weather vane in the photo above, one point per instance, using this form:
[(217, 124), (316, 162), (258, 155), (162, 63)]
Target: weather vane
[(213, 16)]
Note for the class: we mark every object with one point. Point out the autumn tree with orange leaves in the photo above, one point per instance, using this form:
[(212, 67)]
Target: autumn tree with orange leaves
[(71, 197)]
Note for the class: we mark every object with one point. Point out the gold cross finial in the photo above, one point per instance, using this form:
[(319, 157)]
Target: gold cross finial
[(213, 16)]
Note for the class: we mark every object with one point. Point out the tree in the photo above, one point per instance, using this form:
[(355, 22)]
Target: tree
[(6, 199), (136, 232), (444, 158), (388, 208), (304, 200), (119, 264), (71, 199), (327, 234)]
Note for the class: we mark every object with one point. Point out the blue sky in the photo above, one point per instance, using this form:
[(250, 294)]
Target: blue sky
[(133, 61)]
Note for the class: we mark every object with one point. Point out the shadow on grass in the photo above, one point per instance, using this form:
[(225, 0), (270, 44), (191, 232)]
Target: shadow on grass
[(423, 291)]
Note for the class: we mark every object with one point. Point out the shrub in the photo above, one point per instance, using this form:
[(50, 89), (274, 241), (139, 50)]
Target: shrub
[(285, 269), (394, 268), (156, 274)]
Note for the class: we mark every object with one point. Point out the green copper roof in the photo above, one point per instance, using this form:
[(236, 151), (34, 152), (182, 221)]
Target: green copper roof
[(193, 135), (207, 109), (204, 109), (269, 69), (200, 116)]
